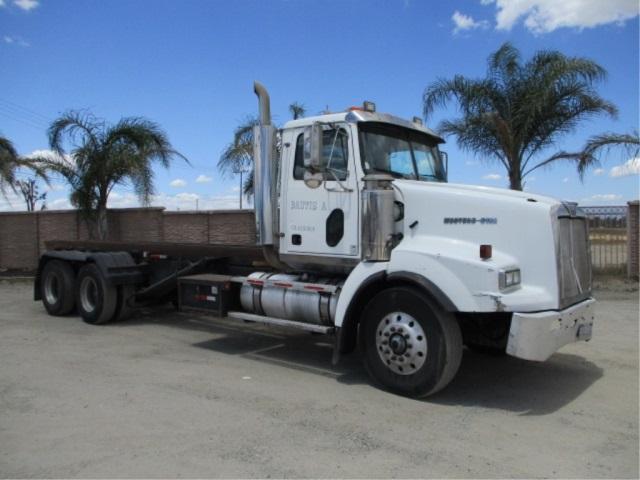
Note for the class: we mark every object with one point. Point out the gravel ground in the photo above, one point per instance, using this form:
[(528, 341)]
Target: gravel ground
[(176, 395)]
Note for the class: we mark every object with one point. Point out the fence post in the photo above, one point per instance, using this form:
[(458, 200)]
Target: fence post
[(633, 238)]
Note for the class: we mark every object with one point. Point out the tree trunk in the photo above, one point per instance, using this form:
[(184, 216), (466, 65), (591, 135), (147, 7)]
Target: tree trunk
[(515, 177), (101, 221)]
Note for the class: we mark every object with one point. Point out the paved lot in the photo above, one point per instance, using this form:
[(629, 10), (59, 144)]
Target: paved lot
[(171, 395)]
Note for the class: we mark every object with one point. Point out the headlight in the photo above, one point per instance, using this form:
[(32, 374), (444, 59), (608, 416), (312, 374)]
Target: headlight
[(509, 278)]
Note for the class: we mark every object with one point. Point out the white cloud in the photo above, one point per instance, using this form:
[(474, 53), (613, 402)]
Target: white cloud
[(603, 198), (492, 176), (486, 2), (464, 22), (11, 201), (187, 201), (59, 204), (544, 16), (598, 171), (565, 180), (203, 179), (26, 5), (608, 197), (630, 167), (15, 41), (180, 201), (1, 3), (55, 187), (178, 183)]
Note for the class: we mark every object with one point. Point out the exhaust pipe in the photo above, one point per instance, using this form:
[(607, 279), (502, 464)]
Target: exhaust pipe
[(264, 103), (265, 180)]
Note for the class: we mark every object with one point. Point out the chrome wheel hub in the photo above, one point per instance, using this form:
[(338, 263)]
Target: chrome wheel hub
[(401, 343), (51, 289), (88, 294)]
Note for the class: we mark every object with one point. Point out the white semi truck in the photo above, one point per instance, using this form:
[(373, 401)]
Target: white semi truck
[(359, 236)]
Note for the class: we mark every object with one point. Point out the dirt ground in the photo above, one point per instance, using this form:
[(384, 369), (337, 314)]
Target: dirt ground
[(176, 395)]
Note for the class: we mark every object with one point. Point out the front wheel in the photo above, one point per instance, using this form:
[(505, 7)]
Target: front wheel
[(411, 345)]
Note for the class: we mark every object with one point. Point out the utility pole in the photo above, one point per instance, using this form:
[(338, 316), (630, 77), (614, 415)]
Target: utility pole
[(240, 169)]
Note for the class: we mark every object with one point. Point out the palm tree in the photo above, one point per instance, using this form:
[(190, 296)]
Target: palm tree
[(9, 162), (297, 110), (238, 155), (520, 109), (603, 143), (103, 156)]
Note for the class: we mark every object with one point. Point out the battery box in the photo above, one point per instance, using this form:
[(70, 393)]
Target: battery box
[(208, 292)]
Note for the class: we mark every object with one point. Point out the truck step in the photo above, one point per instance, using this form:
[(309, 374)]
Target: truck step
[(310, 327)]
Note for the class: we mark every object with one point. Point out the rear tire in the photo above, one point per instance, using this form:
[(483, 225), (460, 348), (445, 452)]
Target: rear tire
[(411, 346), (96, 298), (58, 287)]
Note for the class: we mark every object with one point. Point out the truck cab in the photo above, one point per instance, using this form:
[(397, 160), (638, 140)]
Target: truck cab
[(320, 205)]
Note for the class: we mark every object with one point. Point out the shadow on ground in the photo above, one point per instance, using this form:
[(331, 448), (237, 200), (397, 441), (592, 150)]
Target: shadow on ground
[(505, 383)]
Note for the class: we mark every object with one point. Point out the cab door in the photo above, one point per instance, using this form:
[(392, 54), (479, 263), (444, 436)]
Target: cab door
[(321, 221)]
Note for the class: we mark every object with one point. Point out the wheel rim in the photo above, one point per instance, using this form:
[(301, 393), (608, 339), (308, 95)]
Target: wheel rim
[(401, 343), (51, 289), (88, 294)]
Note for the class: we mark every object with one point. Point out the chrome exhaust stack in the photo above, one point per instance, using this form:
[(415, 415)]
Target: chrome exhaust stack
[(265, 177), (264, 144)]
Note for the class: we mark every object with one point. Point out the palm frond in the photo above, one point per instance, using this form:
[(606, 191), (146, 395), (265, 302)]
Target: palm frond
[(297, 110), (519, 110)]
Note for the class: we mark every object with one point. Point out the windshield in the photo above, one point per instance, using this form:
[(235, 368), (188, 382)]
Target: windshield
[(399, 151)]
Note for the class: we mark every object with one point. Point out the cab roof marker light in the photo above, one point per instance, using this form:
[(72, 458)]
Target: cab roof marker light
[(417, 120), (369, 106)]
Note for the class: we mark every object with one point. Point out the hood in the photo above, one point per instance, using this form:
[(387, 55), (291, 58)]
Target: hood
[(459, 189), (451, 221)]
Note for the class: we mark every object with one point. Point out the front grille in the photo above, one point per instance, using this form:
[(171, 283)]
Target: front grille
[(572, 254)]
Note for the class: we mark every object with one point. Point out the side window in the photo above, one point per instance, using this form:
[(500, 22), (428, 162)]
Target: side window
[(335, 155)]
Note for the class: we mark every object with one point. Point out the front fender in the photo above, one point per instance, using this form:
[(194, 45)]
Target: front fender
[(364, 273)]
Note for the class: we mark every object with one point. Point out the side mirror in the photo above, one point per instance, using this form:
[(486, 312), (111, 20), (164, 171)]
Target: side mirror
[(445, 165), (313, 137)]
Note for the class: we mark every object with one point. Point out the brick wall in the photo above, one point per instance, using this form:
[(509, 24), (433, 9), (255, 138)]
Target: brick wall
[(18, 240), (633, 238), (23, 234)]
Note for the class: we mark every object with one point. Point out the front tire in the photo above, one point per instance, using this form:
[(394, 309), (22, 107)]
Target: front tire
[(58, 287), (411, 346), (96, 298)]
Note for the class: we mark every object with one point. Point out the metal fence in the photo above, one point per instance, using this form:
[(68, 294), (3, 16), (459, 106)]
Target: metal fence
[(608, 235)]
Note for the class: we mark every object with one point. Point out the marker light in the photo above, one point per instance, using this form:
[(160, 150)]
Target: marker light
[(369, 106), (485, 252), (417, 120), (509, 278)]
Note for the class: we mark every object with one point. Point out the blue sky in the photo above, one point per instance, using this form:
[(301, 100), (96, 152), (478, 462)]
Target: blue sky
[(189, 65)]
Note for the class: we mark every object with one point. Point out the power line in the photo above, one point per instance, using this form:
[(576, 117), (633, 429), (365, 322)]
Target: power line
[(24, 121), (26, 110)]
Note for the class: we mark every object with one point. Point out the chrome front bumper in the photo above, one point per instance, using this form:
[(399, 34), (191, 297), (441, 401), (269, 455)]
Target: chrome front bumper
[(536, 336)]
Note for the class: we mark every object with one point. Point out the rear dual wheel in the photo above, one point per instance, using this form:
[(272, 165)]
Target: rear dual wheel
[(411, 345), (100, 302), (96, 298), (58, 287)]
